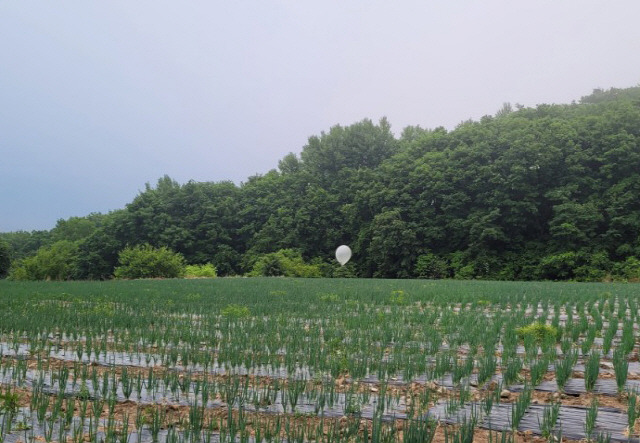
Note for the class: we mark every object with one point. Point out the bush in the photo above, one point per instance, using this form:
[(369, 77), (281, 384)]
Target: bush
[(56, 262), (629, 269), (285, 263), (558, 266), (398, 297), (18, 271), (200, 271), (145, 261), (431, 266), (460, 266), (597, 267), (235, 311), (466, 272), (539, 331), (346, 271), (581, 265)]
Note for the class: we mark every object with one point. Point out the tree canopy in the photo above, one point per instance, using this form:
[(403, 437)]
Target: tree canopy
[(5, 258), (549, 192)]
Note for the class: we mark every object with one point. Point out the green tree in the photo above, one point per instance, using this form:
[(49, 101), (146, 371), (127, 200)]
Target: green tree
[(24, 244), (199, 220), (391, 245), (98, 253), (55, 262), (544, 192), (559, 266), (145, 261), (75, 228), (5, 258), (629, 269), (361, 145), (286, 263)]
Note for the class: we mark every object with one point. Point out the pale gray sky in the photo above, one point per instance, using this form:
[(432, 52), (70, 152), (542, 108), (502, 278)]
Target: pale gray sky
[(97, 98)]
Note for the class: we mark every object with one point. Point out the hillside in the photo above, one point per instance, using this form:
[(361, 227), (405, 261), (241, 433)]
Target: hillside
[(550, 192)]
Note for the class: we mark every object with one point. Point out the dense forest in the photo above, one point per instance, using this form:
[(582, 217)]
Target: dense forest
[(551, 192)]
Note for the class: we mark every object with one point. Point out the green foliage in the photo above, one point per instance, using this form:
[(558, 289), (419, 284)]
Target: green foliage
[(98, 254), (24, 244), (391, 245), (329, 297), (629, 269), (5, 258), (558, 266), (9, 401), (632, 409), (286, 263), (200, 271), (465, 272), (540, 332), (198, 220), (75, 228), (332, 329), (56, 262), (346, 271), (582, 266), (398, 297), (621, 368), (431, 266), (596, 267), (361, 145), (592, 368), (590, 419), (235, 311), (549, 192), (145, 261)]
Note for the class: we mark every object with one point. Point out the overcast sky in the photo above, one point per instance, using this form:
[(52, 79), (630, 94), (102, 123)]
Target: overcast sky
[(99, 97)]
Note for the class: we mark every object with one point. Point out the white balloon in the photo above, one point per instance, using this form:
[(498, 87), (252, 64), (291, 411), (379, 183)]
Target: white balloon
[(343, 254)]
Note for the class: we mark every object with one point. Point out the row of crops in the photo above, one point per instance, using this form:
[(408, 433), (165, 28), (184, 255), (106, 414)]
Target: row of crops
[(318, 360)]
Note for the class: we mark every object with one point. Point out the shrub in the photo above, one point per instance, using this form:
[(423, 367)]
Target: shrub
[(398, 297), (235, 311), (268, 265), (629, 269), (558, 266), (539, 331), (486, 266), (18, 271), (597, 267), (200, 271), (56, 262), (346, 271), (286, 263), (431, 266), (457, 261), (145, 261), (465, 272)]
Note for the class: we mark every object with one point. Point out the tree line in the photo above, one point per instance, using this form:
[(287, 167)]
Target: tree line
[(549, 192)]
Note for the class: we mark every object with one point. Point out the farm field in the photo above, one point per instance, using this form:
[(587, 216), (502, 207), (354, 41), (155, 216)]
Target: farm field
[(326, 360)]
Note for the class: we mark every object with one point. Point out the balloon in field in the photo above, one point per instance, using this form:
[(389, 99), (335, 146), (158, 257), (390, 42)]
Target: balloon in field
[(343, 254)]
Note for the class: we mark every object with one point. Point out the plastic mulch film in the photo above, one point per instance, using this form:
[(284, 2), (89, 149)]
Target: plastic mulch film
[(571, 420)]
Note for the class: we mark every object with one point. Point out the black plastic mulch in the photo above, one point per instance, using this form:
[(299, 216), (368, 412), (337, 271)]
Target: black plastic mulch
[(571, 420)]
